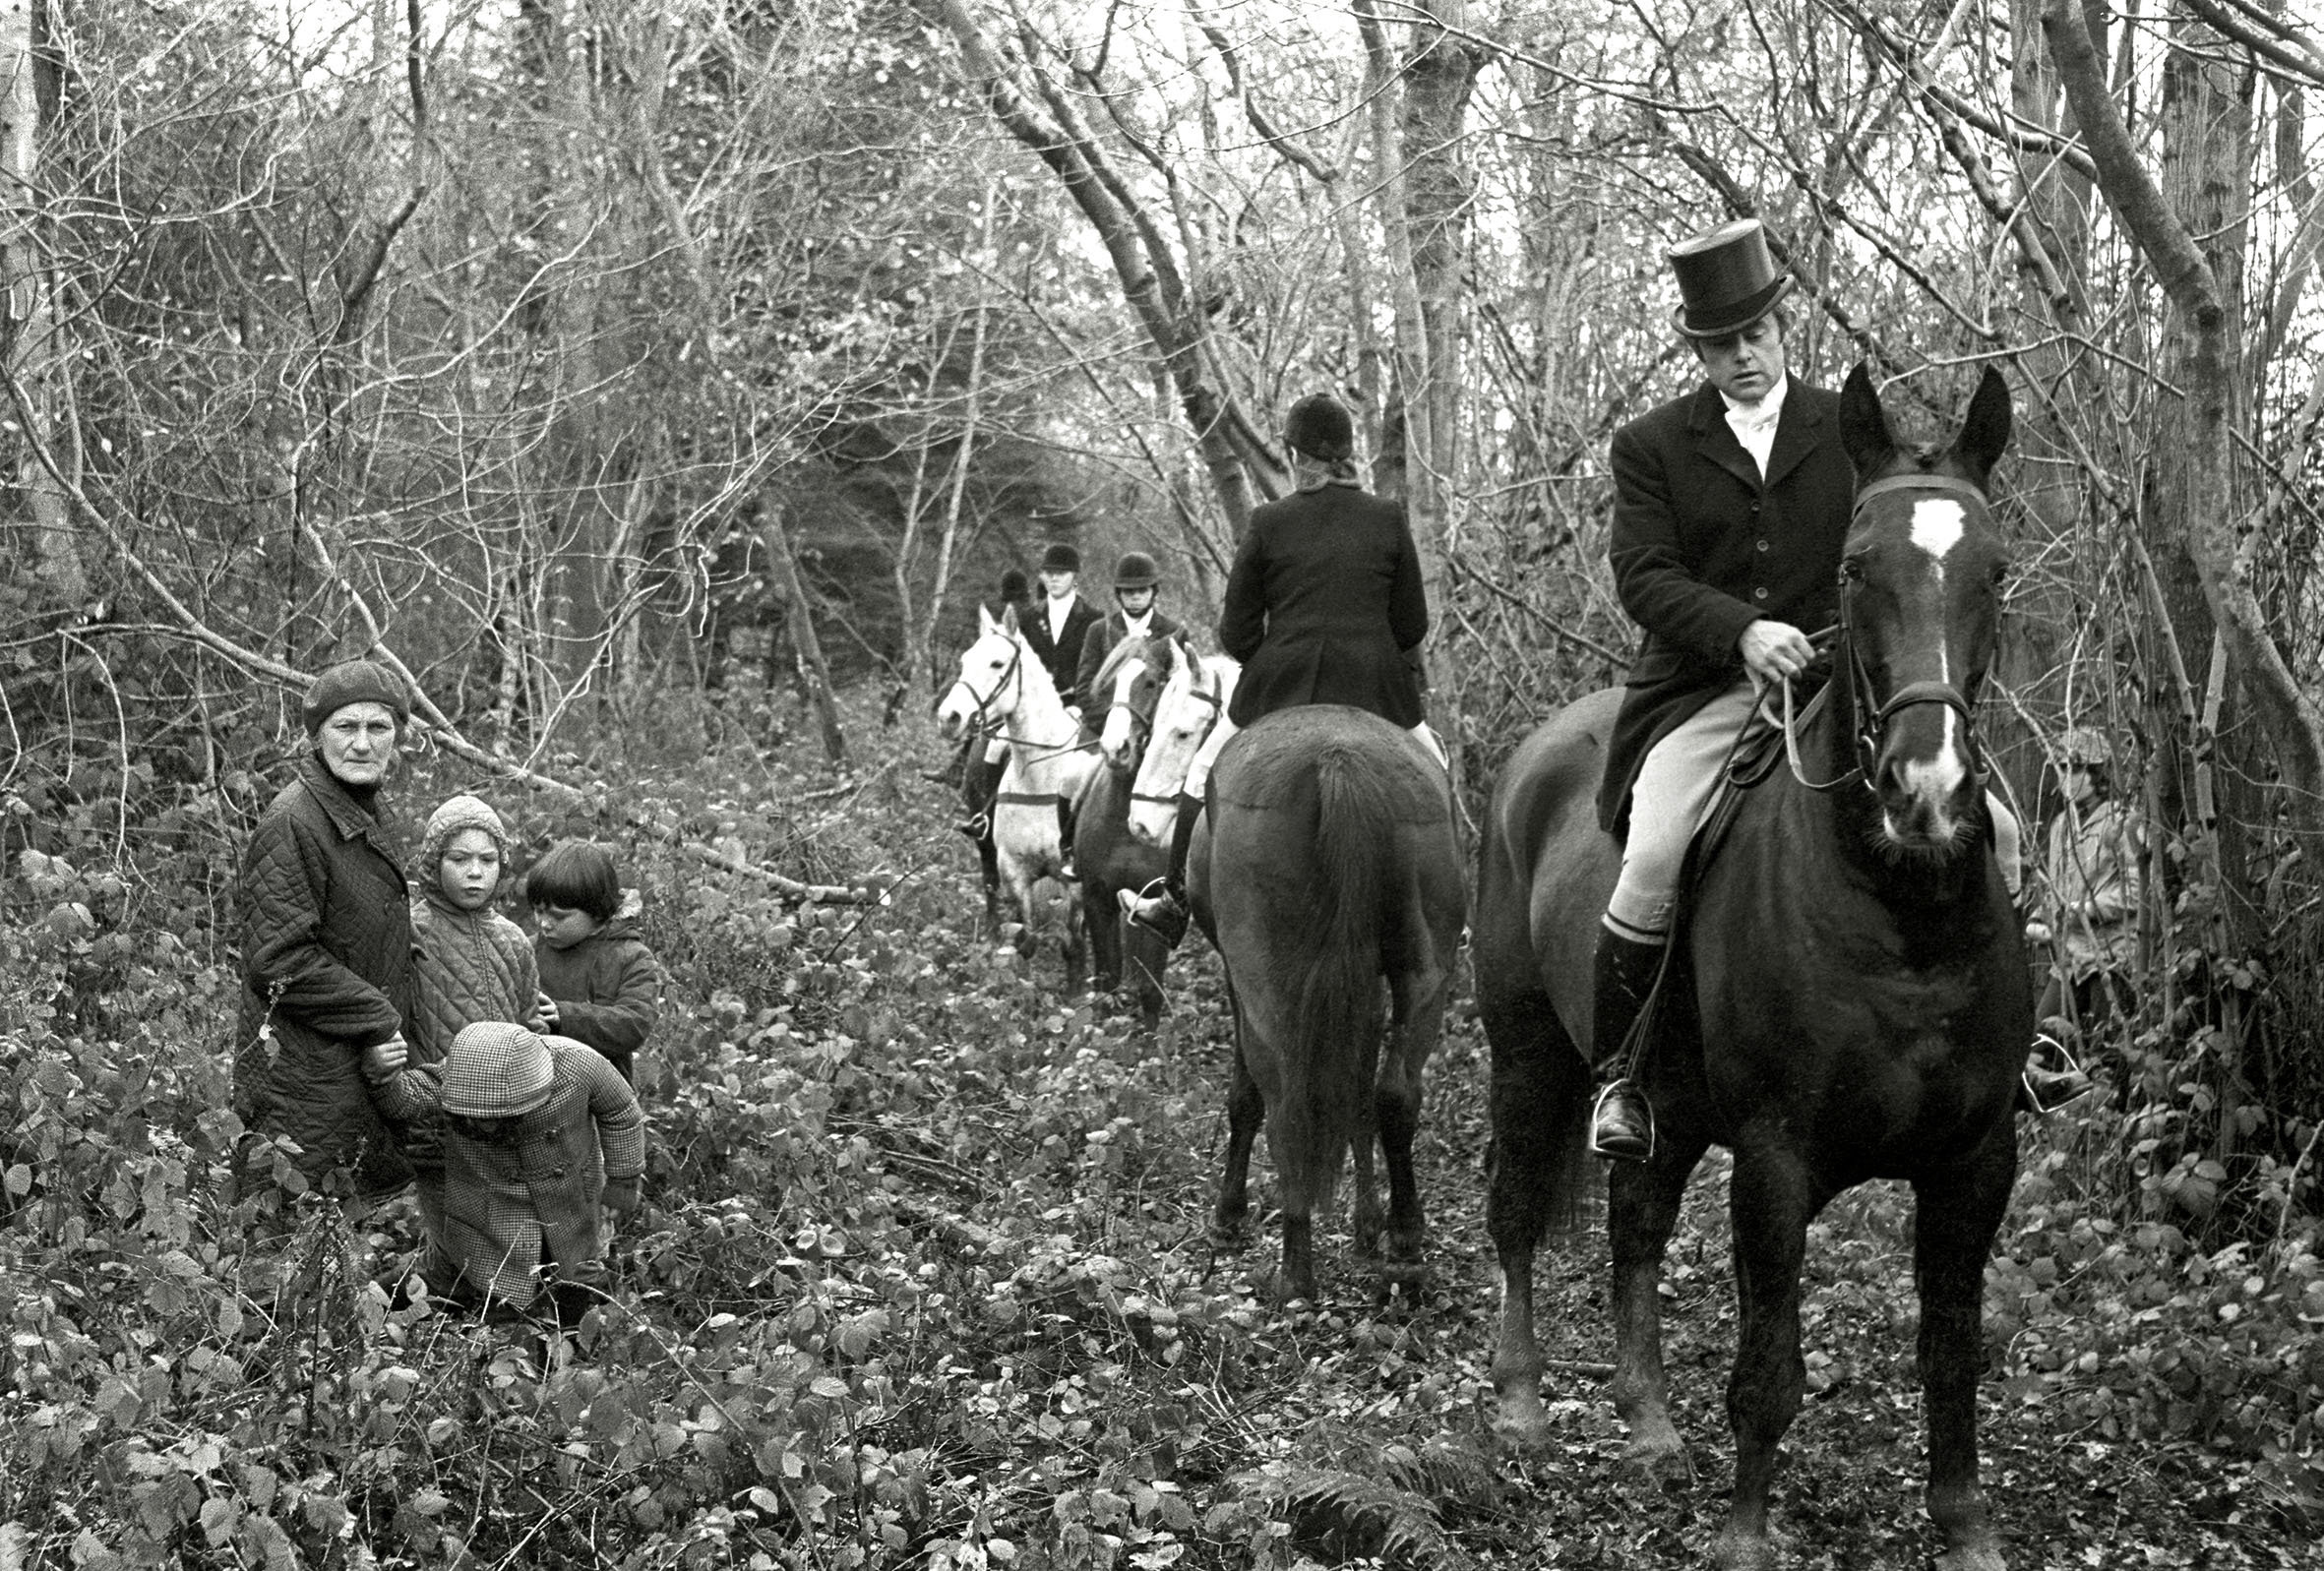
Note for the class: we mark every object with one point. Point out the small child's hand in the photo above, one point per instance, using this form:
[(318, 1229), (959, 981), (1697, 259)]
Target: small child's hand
[(546, 1008), (383, 1059)]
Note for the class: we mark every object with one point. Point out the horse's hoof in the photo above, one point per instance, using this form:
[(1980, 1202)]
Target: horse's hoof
[(1522, 1421), (1666, 1465), (1734, 1550), (1224, 1238)]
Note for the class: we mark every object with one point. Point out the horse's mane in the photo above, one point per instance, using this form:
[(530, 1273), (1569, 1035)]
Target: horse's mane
[(1130, 648)]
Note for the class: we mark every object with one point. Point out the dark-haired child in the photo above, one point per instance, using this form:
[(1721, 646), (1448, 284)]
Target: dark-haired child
[(599, 982)]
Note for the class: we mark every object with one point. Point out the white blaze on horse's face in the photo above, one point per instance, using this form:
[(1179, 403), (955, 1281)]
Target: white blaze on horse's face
[(1120, 721), (1935, 781), (1183, 715)]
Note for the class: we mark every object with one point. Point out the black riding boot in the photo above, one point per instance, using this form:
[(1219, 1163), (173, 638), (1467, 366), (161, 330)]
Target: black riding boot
[(979, 823), (1163, 912), (1621, 1124)]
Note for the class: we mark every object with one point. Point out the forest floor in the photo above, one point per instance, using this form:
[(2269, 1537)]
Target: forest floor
[(1349, 1380), (922, 1283)]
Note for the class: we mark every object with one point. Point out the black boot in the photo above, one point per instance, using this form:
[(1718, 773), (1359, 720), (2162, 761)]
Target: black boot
[(1622, 1123), (979, 824), (1162, 911)]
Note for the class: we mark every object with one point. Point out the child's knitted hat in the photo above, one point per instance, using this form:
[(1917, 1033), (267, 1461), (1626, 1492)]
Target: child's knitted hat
[(496, 1070), (458, 814)]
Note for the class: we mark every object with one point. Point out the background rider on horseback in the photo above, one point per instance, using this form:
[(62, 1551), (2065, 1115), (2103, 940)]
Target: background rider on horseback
[(1324, 605)]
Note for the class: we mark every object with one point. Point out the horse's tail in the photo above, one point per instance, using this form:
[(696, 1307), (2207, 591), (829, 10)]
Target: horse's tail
[(1333, 1051)]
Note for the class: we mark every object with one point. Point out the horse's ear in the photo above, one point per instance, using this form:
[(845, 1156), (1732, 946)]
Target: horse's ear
[(1984, 431), (984, 620), (1863, 424), (1008, 621)]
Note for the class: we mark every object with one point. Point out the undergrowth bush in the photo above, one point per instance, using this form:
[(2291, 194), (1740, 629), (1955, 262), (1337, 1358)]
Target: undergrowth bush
[(919, 1280)]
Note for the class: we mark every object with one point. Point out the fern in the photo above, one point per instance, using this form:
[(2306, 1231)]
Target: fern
[(1349, 1514)]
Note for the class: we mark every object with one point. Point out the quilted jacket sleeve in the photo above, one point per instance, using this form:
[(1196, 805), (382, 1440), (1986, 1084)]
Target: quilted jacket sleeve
[(619, 1025), (285, 888)]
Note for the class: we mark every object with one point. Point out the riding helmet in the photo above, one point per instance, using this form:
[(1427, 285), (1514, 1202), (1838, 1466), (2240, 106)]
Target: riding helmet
[(1061, 558), (1320, 427), (1137, 571)]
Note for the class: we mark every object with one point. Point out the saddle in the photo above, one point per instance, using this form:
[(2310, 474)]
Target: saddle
[(1757, 753)]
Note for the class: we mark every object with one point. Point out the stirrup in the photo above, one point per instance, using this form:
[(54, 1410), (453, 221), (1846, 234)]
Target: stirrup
[(1623, 1147), (2042, 1091), (976, 828), (1156, 909)]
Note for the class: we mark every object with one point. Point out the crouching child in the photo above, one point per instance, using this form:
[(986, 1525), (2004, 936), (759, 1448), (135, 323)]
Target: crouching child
[(541, 1136)]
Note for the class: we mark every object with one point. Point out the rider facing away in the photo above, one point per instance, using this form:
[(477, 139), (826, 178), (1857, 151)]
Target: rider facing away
[(1324, 605)]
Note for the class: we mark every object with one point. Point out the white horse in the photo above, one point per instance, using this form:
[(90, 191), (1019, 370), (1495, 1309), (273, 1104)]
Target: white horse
[(1003, 689), (1195, 694)]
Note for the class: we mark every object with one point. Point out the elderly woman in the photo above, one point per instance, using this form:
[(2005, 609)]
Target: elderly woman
[(327, 943)]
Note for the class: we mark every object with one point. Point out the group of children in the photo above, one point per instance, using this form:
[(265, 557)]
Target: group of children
[(510, 1090)]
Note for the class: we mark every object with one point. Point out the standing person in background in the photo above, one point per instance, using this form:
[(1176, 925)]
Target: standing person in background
[(599, 982), (1138, 584), (326, 930), (1061, 621), (470, 963), (2087, 907)]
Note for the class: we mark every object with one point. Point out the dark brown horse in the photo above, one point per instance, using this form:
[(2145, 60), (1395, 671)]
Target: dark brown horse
[(1331, 867), (1107, 855), (1849, 999)]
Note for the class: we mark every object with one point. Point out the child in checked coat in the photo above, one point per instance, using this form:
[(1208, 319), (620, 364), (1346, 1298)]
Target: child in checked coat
[(540, 1135)]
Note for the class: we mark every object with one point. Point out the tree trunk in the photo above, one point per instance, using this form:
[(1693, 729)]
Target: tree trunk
[(813, 671), (38, 369)]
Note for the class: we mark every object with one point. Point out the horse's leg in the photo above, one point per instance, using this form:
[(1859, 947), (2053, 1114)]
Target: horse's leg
[(1641, 1212), (1955, 1214), (989, 864), (1246, 1109), (1769, 1203), (1416, 1022), (1539, 1083), (1144, 957), (1101, 918)]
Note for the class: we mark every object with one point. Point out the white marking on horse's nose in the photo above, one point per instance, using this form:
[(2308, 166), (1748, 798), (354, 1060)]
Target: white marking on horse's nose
[(1938, 523), (1934, 782)]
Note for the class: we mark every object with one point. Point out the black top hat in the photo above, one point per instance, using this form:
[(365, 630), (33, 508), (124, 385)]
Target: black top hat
[(1320, 427), (1061, 558), (1727, 279)]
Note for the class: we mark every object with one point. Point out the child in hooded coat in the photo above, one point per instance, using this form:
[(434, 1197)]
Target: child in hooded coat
[(599, 982), (540, 1137)]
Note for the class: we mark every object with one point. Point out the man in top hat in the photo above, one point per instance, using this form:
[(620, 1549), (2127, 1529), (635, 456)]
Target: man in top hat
[(1731, 503), (1061, 619), (1137, 583)]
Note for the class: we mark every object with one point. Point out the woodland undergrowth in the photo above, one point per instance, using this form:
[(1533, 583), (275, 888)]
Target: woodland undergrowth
[(920, 1281)]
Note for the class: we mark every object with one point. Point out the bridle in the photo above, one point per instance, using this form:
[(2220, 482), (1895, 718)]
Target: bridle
[(984, 720), (1203, 694), (1871, 712)]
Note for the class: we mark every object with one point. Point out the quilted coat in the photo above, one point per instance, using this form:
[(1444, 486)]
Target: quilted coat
[(607, 988), (515, 1203), (1702, 548), (1324, 605), (466, 966), (326, 930)]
